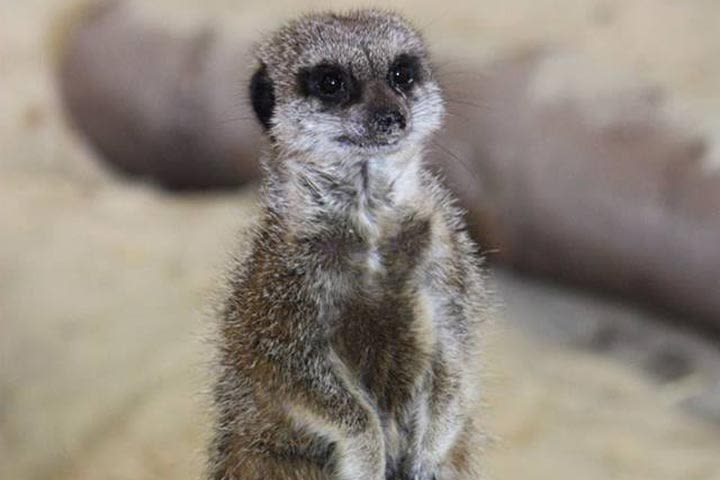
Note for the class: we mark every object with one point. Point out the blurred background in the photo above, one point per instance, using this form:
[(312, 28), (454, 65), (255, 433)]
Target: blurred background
[(582, 138)]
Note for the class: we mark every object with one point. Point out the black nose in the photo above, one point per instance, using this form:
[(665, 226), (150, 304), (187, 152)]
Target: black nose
[(388, 118)]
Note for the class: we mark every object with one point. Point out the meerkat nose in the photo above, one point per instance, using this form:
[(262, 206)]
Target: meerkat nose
[(386, 119)]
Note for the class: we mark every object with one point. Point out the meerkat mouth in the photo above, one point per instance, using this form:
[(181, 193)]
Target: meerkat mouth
[(370, 145)]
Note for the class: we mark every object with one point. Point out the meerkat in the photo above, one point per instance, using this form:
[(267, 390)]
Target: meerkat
[(349, 338)]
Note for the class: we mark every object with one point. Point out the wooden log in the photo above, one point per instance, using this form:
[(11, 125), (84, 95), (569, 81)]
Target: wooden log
[(600, 190), (159, 104), (596, 189)]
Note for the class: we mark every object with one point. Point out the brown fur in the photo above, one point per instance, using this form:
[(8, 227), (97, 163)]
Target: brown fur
[(348, 340)]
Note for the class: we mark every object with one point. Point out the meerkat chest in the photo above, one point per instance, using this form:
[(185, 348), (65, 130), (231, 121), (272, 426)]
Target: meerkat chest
[(385, 333)]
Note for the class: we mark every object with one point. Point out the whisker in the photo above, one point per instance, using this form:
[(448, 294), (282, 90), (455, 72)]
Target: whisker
[(426, 27), (450, 153), (469, 73), (484, 106), (454, 114), (226, 121)]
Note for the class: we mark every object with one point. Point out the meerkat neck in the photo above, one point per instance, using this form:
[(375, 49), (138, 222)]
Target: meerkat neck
[(354, 191)]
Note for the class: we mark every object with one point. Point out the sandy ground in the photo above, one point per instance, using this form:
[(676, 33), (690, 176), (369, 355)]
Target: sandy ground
[(105, 285)]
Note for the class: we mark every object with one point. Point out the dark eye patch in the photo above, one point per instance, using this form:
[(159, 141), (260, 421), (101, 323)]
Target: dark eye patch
[(262, 96), (405, 72), (330, 83)]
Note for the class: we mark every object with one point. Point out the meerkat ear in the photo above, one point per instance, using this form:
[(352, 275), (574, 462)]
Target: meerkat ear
[(262, 95)]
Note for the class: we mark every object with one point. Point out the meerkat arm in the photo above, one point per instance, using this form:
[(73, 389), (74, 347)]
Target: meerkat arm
[(261, 467), (442, 427), (318, 402), (335, 409), (439, 421), (288, 364)]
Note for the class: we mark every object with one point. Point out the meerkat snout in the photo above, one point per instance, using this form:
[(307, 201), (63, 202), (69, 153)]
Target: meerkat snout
[(386, 117), (387, 120)]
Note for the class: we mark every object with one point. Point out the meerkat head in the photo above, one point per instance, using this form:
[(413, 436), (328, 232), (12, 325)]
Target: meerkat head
[(351, 85)]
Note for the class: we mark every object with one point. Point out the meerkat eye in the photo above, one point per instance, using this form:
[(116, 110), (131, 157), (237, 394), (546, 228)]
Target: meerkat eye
[(404, 72), (402, 76), (329, 83)]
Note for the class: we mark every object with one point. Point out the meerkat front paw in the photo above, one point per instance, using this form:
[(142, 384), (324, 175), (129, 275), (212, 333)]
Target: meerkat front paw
[(362, 458), (401, 476), (420, 473), (404, 474)]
